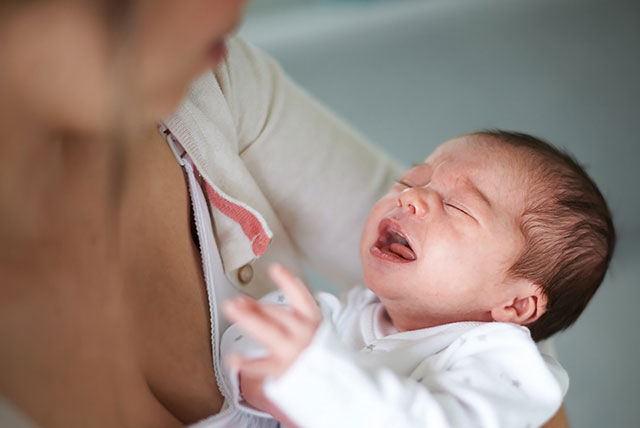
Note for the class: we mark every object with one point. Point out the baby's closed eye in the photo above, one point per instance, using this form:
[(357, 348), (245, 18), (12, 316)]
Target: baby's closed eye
[(456, 207)]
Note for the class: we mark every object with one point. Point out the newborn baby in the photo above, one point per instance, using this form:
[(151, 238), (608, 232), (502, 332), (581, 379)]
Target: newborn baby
[(496, 241)]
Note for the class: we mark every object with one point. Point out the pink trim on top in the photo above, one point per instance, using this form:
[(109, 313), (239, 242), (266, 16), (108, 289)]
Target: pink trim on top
[(249, 223)]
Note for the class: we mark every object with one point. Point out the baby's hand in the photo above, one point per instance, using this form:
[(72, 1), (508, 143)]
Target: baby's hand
[(284, 331)]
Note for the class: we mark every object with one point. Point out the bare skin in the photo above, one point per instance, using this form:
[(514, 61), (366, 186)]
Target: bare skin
[(124, 345), (165, 289), (68, 356)]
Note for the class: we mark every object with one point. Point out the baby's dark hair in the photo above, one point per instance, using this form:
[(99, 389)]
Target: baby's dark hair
[(568, 230)]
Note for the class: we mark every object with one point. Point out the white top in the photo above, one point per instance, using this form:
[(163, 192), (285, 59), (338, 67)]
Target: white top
[(360, 372)]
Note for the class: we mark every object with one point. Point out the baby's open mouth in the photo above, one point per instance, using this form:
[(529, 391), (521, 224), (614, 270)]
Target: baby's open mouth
[(392, 243)]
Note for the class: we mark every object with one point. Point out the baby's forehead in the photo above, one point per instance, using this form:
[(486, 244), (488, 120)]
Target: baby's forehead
[(475, 152), (496, 170)]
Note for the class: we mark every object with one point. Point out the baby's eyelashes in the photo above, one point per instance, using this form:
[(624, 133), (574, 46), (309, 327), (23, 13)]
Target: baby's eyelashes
[(455, 207), (458, 209), (403, 183)]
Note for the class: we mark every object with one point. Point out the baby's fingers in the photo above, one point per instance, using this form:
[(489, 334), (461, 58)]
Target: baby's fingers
[(253, 367), (300, 329), (299, 297), (254, 321)]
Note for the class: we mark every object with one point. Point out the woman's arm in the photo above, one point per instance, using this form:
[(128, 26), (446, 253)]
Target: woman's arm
[(320, 176)]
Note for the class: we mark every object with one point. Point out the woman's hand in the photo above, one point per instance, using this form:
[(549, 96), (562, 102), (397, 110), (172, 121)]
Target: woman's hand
[(285, 331)]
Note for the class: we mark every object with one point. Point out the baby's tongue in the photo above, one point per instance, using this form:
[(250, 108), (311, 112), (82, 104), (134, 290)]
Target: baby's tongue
[(402, 251)]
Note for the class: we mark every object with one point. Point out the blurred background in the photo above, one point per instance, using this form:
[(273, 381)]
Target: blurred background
[(410, 74)]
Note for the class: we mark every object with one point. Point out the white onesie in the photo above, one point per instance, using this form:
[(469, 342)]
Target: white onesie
[(361, 372)]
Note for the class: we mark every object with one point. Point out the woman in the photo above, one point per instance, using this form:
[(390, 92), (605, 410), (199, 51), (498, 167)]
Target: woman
[(109, 277)]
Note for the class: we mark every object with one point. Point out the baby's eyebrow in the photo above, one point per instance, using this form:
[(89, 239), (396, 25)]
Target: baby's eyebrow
[(477, 192)]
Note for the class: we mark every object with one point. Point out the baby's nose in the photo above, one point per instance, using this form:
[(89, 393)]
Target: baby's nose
[(412, 200)]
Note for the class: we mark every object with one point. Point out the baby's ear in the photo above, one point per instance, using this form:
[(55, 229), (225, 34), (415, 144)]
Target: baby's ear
[(524, 306)]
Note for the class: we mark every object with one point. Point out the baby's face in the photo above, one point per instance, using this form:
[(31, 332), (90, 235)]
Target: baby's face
[(437, 247)]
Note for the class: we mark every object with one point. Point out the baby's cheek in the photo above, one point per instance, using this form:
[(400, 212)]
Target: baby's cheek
[(370, 231), (377, 212)]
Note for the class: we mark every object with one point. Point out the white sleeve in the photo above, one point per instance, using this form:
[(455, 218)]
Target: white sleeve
[(320, 176), (481, 387), (235, 341)]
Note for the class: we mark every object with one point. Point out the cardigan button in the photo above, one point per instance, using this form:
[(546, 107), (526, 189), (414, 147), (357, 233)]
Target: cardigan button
[(245, 274)]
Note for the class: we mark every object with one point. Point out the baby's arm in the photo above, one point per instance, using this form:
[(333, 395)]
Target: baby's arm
[(284, 331), (317, 382)]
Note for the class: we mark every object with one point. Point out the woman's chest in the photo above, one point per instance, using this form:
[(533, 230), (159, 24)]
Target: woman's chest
[(165, 289)]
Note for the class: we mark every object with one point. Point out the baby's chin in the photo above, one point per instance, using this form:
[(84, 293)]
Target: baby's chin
[(384, 287)]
